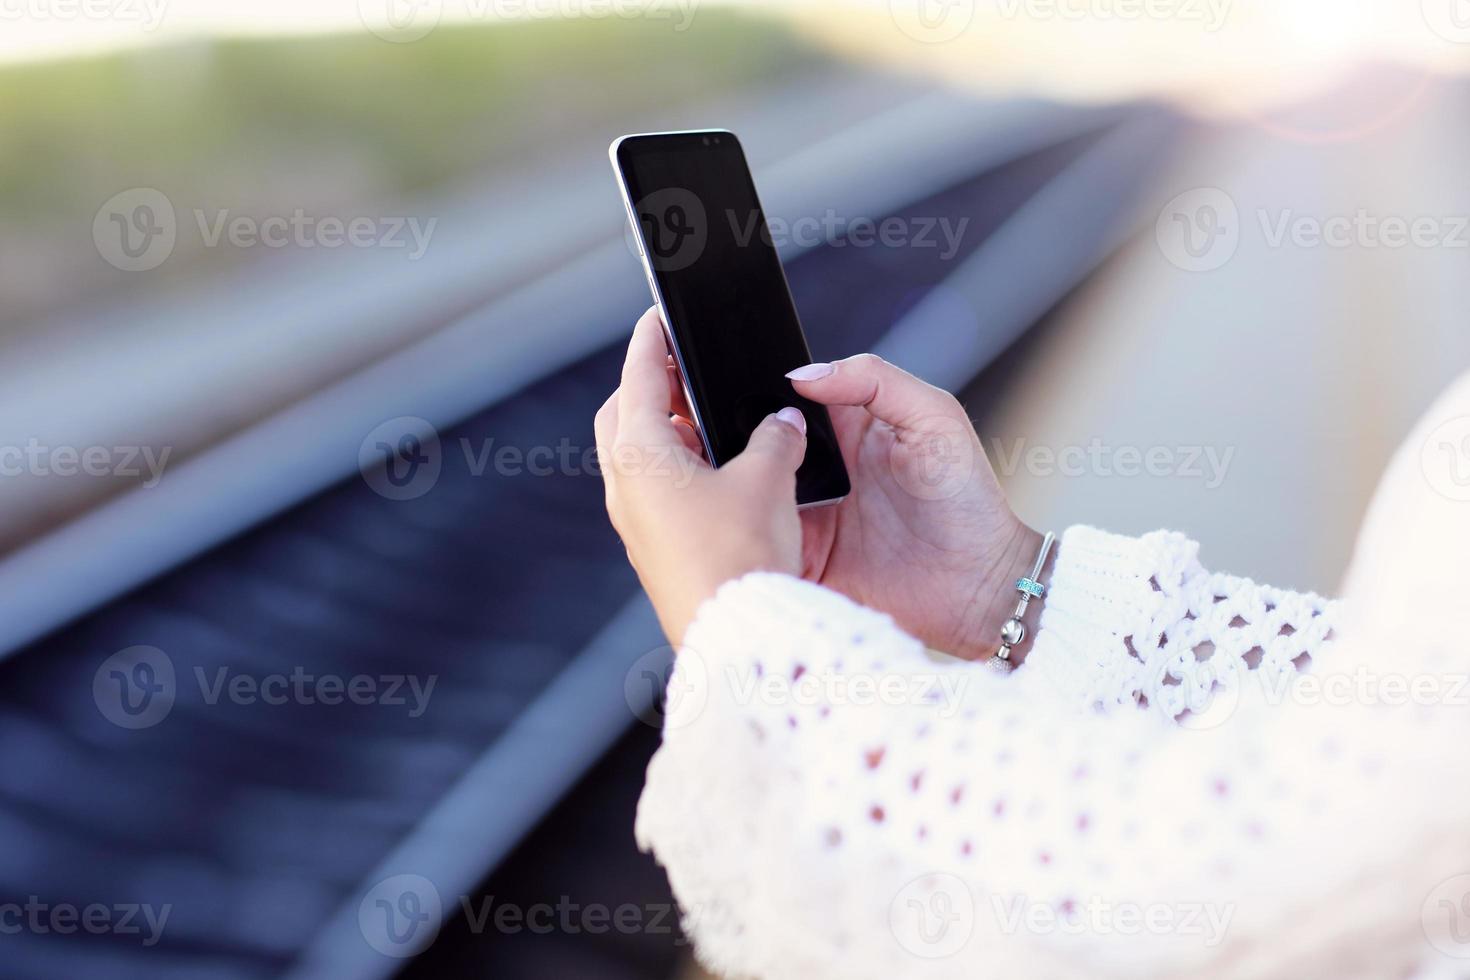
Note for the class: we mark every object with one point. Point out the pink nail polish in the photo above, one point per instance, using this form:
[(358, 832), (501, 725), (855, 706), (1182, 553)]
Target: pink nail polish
[(811, 372), (793, 418)]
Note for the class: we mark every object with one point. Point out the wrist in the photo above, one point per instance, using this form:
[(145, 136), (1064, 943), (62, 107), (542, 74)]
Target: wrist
[(691, 585), (996, 602)]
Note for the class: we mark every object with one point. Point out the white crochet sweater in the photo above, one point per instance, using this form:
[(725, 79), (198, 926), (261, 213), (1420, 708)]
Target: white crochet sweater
[(1190, 774)]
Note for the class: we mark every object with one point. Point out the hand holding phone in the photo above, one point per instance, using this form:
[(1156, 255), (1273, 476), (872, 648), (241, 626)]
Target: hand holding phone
[(924, 532), (689, 527)]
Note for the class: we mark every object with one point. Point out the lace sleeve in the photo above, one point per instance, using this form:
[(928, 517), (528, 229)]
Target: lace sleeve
[(831, 799)]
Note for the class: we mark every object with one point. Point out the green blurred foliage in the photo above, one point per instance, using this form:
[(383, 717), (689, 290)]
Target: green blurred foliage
[(417, 114), (314, 122)]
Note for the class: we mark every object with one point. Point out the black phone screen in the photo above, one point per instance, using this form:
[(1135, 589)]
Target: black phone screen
[(730, 310)]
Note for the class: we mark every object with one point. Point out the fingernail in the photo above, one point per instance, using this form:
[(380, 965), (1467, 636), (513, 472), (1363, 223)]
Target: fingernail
[(811, 372), (793, 418)]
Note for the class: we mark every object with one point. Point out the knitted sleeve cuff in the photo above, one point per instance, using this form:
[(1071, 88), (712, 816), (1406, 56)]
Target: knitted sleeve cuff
[(1106, 592)]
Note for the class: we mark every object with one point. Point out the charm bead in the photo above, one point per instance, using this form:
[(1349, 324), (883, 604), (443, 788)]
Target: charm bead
[(1013, 632), (1031, 587)]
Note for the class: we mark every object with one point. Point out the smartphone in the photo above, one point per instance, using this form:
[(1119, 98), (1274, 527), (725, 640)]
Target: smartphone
[(726, 305)]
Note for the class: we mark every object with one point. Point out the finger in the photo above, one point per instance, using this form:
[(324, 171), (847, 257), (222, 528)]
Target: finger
[(888, 392), (689, 436), (678, 404), (605, 423), (776, 447), (645, 397)]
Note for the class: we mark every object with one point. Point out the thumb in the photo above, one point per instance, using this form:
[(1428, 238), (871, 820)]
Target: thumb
[(777, 446), (888, 392)]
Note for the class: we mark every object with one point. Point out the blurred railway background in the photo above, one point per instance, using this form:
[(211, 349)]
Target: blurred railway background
[(1137, 314)]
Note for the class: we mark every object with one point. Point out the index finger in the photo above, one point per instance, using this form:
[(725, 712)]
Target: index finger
[(887, 391), (644, 395)]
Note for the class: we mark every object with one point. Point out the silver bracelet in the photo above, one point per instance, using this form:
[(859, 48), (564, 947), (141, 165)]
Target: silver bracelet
[(1014, 631)]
